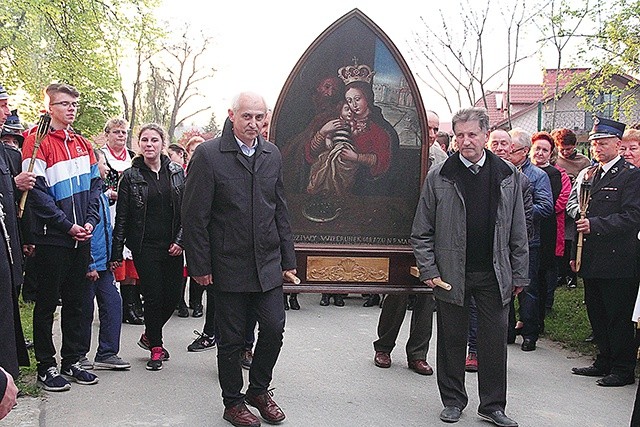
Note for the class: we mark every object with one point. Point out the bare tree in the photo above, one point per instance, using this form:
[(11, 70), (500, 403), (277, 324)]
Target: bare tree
[(455, 62), (183, 74), (560, 16)]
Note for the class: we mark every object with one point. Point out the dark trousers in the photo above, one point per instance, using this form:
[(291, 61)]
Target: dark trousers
[(161, 285), (610, 307), (473, 326), (195, 293), (30, 283), (452, 332), (60, 273), (564, 269), (392, 315), (210, 327), (103, 290), (548, 279), (232, 313), (530, 296)]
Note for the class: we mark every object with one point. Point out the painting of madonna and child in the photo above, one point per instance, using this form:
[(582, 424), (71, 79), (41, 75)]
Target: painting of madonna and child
[(349, 125)]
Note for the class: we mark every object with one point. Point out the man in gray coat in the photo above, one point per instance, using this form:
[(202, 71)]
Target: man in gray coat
[(470, 231), (238, 240)]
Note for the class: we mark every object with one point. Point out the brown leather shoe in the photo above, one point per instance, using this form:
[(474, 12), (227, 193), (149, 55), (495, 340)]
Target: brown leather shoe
[(420, 366), (241, 416), (269, 410), (382, 359)]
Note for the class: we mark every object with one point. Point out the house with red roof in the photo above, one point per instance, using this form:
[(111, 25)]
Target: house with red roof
[(532, 107)]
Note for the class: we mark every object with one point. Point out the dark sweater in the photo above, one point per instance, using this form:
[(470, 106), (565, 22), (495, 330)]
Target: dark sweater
[(477, 199)]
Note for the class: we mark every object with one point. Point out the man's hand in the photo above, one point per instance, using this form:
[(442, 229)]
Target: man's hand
[(113, 265), (517, 290), (572, 264), (582, 225), (175, 250), (429, 282), (92, 275), (25, 181), (80, 233), (205, 280), (9, 399), (290, 276)]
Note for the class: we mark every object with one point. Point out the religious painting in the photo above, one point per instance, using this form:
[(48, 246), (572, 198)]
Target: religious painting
[(351, 127)]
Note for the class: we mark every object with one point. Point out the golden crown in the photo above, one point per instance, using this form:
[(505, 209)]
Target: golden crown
[(356, 73)]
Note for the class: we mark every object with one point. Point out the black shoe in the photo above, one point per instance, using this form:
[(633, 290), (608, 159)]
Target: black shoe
[(338, 300), (286, 303), (498, 418), (197, 311), (615, 380), (293, 302), (529, 344), (129, 316), (571, 283), (589, 371), (325, 300), (183, 311), (451, 414), (589, 338), (372, 300)]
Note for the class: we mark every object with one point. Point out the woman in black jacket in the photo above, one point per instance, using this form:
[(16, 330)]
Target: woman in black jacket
[(148, 222)]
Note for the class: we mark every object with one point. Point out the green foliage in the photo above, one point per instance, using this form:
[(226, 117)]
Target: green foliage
[(45, 41), (613, 49), (212, 126)]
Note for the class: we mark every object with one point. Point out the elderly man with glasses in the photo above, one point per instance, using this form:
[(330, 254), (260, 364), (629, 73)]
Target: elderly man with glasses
[(542, 208)]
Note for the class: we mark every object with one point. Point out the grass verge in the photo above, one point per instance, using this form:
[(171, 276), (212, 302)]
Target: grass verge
[(568, 323), (27, 380)]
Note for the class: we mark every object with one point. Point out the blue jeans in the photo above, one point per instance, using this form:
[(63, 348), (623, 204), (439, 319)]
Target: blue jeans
[(529, 297), (109, 312)]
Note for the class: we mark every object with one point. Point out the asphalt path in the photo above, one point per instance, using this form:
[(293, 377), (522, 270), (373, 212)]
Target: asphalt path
[(325, 376)]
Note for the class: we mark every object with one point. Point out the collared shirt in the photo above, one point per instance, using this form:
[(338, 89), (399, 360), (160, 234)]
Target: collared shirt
[(480, 162), (246, 150), (605, 168)]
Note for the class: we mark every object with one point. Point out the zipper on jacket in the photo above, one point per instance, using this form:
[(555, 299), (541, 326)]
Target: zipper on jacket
[(73, 199)]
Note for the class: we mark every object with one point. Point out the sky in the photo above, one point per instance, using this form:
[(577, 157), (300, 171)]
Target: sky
[(256, 44)]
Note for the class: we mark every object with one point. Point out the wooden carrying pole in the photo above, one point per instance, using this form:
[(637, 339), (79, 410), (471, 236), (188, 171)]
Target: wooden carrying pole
[(41, 132), (585, 194)]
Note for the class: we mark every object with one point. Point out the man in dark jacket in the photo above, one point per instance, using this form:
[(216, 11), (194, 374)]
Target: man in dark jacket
[(609, 263), (12, 349), (238, 239), (63, 210)]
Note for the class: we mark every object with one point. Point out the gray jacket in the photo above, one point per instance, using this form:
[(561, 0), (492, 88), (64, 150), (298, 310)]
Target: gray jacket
[(439, 229)]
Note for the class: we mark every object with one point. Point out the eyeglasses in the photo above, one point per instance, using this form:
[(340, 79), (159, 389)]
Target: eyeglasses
[(118, 131), (517, 150), (66, 104)]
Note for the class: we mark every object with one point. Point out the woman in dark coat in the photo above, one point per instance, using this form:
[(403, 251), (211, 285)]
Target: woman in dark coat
[(542, 151), (148, 221)]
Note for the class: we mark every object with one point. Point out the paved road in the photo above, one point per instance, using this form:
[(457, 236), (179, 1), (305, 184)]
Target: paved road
[(325, 377)]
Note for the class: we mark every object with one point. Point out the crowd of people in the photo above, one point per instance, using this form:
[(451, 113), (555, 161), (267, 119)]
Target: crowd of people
[(503, 215)]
